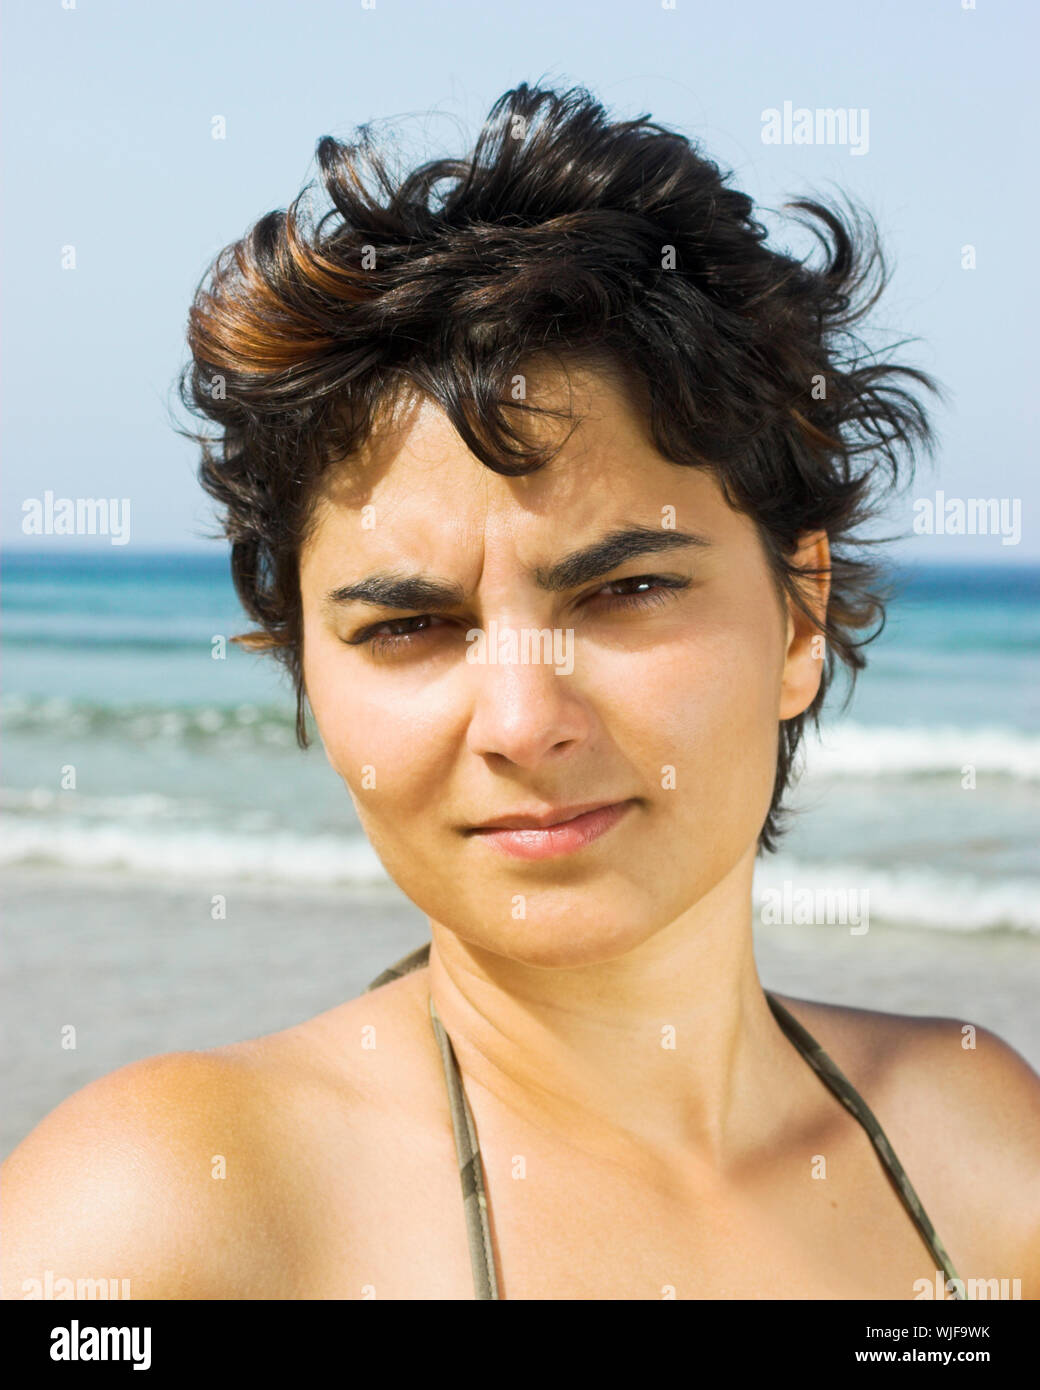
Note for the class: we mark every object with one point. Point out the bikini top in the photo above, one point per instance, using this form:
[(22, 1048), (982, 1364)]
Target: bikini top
[(471, 1173)]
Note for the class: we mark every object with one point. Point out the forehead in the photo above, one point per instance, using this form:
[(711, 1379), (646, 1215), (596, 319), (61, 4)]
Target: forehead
[(415, 488)]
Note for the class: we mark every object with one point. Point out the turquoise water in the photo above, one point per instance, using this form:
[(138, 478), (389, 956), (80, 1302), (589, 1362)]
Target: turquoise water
[(108, 669)]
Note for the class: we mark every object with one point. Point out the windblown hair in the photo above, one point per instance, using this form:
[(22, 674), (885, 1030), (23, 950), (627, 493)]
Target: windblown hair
[(563, 237)]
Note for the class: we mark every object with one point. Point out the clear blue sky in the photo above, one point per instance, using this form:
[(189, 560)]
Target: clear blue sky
[(107, 111)]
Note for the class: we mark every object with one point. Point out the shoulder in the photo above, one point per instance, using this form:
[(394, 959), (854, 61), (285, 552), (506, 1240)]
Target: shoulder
[(954, 1068), (171, 1172), (961, 1109), (218, 1174)]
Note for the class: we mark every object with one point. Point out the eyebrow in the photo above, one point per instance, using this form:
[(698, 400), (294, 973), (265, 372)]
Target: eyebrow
[(389, 590)]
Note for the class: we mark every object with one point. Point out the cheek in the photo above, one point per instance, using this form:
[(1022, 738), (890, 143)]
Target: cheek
[(715, 702), (348, 724), (328, 705), (385, 739)]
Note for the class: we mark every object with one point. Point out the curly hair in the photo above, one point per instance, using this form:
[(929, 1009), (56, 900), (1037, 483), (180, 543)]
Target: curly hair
[(562, 235)]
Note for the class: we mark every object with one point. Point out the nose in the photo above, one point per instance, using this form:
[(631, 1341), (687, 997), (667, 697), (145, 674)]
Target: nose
[(525, 711)]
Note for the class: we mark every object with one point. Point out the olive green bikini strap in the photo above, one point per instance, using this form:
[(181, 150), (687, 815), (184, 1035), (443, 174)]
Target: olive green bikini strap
[(478, 1232), (474, 1200), (414, 960), (833, 1077)]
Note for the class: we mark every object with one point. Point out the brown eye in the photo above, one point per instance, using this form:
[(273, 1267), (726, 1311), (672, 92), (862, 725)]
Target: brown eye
[(383, 643), (659, 593)]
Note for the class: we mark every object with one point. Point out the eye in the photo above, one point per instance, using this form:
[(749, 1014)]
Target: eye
[(382, 643), (659, 593), (382, 640)]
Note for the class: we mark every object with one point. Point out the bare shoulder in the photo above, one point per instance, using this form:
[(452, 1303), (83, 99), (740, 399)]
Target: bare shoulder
[(204, 1174), (172, 1172), (967, 1068), (961, 1108)]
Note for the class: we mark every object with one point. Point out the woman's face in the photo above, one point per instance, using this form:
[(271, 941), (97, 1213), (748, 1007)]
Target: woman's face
[(666, 695)]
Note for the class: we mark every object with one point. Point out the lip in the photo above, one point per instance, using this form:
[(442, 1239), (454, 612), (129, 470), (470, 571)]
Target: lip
[(553, 833), (541, 820)]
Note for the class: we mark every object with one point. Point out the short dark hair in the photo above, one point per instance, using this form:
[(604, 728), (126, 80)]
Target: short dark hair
[(562, 236)]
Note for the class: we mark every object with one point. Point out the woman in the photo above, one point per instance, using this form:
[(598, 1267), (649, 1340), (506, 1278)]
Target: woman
[(547, 487)]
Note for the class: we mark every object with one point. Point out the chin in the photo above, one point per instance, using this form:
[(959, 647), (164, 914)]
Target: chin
[(559, 934)]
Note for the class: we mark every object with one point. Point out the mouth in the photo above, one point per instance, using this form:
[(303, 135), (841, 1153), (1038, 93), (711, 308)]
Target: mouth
[(562, 831)]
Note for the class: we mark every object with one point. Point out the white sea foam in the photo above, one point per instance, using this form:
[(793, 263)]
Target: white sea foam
[(142, 805), (911, 896), (871, 750), (210, 854), (915, 896)]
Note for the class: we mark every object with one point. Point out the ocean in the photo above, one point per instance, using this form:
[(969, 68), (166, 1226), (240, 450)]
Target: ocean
[(924, 792)]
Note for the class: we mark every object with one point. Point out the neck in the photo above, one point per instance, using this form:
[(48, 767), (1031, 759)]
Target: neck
[(667, 1051)]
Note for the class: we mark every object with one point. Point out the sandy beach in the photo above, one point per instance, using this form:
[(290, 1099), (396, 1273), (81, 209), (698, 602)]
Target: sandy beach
[(139, 967)]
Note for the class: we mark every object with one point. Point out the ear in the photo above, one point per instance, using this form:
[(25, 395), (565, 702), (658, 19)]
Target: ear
[(803, 660)]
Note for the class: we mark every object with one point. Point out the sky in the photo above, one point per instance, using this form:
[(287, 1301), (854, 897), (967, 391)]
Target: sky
[(108, 114)]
